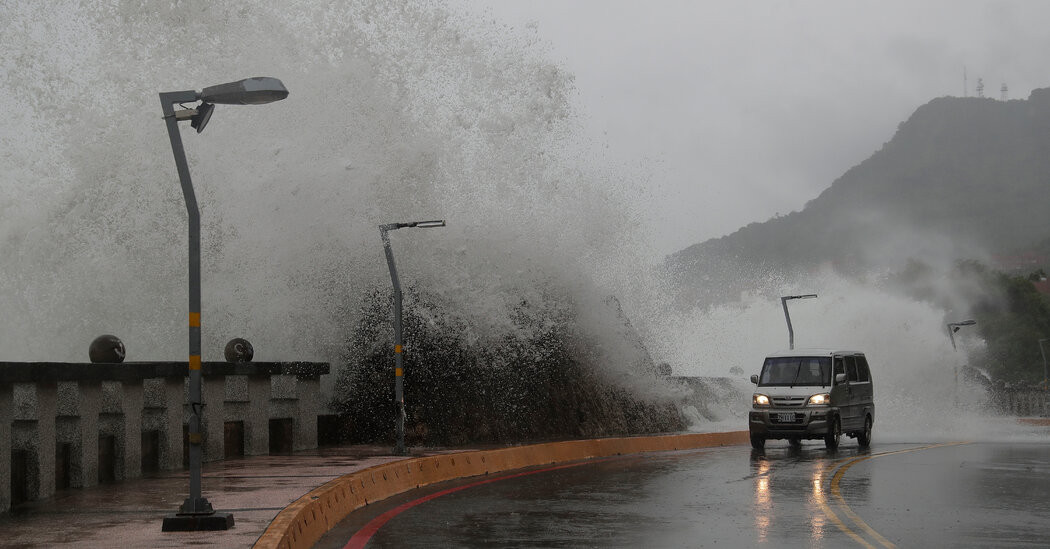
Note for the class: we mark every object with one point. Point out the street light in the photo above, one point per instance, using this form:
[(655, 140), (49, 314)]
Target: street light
[(196, 513), (784, 303), (399, 379), (952, 328)]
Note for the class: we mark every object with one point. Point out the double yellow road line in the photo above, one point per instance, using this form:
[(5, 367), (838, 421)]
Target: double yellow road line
[(840, 467)]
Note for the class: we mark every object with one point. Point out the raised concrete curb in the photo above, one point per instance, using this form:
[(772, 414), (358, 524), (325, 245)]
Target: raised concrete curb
[(301, 524)]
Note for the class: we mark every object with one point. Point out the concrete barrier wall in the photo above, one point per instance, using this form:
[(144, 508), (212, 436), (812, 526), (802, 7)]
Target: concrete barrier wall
[(301, 524), (52, 408)]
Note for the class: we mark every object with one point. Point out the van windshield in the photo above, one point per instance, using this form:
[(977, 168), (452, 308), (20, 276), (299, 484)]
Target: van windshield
[(796, 370)]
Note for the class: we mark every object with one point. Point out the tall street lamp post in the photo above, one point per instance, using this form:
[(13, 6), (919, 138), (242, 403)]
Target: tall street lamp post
[(787, 316), (196, 513), (952, 328), (399, 378)]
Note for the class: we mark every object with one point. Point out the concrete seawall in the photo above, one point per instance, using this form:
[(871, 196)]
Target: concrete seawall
[(74, 425), (301, 524)]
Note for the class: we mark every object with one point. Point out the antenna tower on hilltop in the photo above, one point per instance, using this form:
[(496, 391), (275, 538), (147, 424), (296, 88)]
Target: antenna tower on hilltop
[(1004, 93), (966, 89), (980, 87)]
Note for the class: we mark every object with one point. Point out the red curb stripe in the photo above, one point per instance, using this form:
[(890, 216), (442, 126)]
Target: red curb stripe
[(362, 536)]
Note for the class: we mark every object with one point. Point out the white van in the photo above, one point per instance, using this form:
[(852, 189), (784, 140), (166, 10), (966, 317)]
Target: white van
[(812, 394)]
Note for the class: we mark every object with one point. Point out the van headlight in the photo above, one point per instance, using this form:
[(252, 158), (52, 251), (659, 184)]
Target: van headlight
[(760, 400), (823, 399)]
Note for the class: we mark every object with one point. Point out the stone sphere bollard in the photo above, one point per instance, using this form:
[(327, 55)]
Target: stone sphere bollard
[(239, 350), (106, 348)]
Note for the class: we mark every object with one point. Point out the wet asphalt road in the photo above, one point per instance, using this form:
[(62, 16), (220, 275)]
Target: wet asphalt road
[(900, 494)]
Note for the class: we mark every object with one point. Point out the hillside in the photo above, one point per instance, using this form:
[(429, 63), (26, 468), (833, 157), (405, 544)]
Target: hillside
[(961, 178)]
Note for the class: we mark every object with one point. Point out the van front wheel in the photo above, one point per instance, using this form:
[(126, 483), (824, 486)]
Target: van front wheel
[(758, 442), (864, 437), (831, 440)]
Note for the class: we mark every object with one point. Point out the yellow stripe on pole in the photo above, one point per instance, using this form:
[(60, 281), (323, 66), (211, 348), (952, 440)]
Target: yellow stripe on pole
[(195, 320), (398, 372), (195, 362), (397, 348)]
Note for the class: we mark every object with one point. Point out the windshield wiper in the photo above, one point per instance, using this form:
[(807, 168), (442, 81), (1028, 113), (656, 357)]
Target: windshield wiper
[(797, 371)]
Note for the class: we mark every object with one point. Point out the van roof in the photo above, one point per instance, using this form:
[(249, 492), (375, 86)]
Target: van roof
[(814, 352)]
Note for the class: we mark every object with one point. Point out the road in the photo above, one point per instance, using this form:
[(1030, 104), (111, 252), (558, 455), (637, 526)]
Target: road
[(894, 494)]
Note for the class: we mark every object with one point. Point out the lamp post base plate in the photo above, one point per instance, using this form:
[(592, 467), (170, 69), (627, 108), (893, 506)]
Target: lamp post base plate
[(195, 523)]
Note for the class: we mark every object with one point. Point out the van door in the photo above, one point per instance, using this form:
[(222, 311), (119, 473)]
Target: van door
[(863, 391), (849, 417), (840, 391)]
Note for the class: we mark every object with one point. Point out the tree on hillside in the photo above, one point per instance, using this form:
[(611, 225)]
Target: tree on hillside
[(1011, 314), (1012, 328)]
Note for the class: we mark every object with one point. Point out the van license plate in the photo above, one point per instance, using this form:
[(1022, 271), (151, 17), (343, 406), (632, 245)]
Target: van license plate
[(786, 418)]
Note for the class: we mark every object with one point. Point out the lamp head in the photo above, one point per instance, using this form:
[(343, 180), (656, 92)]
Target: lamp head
[(413, 224), (199, 120), (806, 296), (250, 91)]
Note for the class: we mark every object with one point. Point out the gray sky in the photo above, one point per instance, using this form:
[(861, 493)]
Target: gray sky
[(742, 110)]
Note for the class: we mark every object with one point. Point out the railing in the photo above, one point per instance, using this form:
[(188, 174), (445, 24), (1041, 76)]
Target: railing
[(72, 425)]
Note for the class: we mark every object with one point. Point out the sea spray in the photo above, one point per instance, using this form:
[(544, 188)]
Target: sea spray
[(396, 113)]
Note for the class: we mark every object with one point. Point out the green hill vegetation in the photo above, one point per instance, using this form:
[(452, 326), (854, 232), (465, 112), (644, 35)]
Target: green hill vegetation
[(962, 179), (1012, 316)]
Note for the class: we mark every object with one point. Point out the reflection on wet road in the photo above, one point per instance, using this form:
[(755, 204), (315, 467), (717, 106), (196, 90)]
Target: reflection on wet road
[(933, 495)]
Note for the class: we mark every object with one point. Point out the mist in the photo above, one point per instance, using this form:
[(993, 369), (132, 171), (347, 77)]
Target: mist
[(395, 113)]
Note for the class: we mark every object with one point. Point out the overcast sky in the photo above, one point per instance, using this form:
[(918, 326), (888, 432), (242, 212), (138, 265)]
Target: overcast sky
[(742, 110)]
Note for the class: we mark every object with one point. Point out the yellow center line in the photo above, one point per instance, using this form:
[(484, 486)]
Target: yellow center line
[(823, 503), (836, 491)]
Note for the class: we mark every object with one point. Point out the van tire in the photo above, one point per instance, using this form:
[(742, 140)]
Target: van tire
[(831, 439), (864, 437), (758, 442)]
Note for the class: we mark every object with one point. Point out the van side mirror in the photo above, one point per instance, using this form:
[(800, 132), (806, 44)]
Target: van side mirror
[(754, 379), (839, 378)]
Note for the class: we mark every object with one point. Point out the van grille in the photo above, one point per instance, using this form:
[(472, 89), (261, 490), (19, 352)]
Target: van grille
[(787, 402)]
